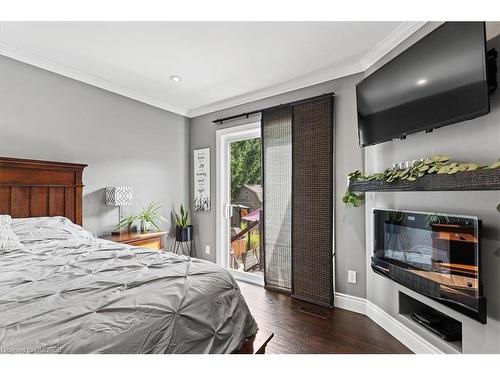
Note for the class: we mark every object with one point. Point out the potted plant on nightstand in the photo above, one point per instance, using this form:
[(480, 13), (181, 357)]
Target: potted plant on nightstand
[(183, 231), (125, 223), (149, 217)]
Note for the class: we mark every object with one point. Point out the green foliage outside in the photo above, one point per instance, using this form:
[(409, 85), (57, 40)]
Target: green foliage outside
[(254, 240), (245, 164)]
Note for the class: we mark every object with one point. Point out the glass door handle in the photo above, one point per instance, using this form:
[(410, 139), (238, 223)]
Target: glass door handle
[(229, 211)]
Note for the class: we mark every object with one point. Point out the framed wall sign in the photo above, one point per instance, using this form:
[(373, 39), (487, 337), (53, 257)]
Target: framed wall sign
[(202, 201)]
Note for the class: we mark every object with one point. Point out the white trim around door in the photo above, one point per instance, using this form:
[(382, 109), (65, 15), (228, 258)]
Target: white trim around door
[(224, 137)]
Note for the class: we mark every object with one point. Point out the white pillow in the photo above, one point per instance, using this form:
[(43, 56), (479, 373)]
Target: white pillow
[(8, 239), (47, 228)]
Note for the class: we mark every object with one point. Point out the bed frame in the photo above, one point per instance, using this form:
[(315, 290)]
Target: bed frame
[(31, 188)]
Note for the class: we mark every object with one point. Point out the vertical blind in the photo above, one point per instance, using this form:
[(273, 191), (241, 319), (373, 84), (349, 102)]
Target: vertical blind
[(298, 148), (312, 197), (277, 176)]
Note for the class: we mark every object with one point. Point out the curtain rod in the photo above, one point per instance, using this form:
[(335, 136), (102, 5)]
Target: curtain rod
[(251, 113)]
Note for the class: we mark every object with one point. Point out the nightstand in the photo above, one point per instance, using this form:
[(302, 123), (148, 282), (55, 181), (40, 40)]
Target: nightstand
[(149, 240)]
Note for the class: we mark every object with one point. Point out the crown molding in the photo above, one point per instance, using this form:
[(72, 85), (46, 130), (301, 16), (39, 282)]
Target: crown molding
[(90, 79), (319, 76), (357, 65), (391, 41)]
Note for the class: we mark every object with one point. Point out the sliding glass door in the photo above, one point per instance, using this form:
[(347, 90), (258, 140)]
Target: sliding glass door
[(239, 202)]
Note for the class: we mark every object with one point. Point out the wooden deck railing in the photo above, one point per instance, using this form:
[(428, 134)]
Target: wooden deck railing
[(245, 231)]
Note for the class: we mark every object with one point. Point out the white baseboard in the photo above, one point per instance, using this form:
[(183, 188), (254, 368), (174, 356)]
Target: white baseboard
[(409, 338), (351, 303), (412, 340)]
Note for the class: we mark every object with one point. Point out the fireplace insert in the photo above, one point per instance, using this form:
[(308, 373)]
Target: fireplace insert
[(437, 255)]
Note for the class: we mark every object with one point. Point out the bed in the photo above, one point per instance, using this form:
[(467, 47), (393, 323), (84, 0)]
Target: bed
[(66, 291)]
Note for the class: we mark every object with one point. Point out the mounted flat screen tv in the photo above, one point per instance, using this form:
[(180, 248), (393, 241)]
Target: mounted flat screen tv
[(436, 255), (438, 81)]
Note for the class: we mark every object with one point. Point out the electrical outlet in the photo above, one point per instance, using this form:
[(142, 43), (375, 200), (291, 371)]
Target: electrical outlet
[(207, 249), (351, 277)]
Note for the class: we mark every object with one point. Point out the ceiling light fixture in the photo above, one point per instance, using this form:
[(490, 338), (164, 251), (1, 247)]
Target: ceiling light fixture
[(175, 78), (421, 82)]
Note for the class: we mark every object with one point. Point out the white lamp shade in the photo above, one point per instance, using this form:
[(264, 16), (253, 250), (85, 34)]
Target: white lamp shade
[(119, 196)]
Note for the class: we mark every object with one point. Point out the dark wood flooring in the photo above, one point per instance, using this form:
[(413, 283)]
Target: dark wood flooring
[(300, 327)]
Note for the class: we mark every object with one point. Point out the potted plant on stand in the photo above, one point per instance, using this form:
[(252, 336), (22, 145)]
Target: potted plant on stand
[(183, 231)]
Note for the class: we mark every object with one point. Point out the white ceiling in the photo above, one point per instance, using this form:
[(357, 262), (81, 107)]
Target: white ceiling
[(221, 63)]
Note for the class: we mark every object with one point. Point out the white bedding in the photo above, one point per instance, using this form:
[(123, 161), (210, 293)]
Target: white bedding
[(67, 291)]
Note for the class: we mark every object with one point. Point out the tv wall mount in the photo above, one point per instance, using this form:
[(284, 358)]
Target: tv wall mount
[(491, 69)]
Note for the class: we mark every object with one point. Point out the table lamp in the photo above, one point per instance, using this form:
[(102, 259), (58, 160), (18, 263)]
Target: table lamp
[(119, 196)]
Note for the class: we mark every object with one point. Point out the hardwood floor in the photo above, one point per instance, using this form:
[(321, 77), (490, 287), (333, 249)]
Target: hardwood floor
[(300, 327)]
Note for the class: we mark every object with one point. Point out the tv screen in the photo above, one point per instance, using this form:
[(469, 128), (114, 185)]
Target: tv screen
[(434, 254), (439, 80)]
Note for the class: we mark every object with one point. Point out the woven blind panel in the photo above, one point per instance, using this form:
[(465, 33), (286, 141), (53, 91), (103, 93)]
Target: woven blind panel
[(312, 203), (277, 159)]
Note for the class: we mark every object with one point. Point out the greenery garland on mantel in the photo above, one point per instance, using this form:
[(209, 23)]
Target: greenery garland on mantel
[(437, 164)]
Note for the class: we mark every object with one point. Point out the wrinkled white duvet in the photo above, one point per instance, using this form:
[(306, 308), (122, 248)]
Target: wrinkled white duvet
[(66, 291)]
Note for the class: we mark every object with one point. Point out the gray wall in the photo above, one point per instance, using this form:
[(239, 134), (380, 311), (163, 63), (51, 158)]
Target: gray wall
[(474, 140), (124, 142), (349, 224), (46, 116)]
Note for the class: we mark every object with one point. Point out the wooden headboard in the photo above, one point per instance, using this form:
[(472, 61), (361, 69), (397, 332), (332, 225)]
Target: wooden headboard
[(31, 188)]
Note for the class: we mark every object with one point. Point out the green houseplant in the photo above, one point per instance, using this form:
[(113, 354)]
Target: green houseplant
[(126, 222), (183, 230), (149, 217)]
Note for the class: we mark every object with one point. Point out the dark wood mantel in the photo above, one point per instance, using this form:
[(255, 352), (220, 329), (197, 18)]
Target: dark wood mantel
[(484, 179)]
